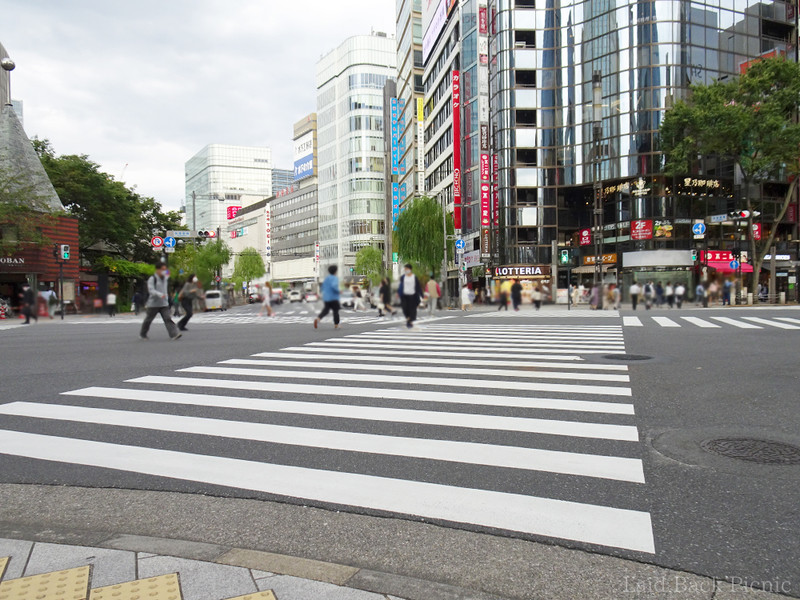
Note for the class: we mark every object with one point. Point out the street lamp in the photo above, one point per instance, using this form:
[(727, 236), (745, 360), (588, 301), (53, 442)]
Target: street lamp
[(597, 212), (8, 65)]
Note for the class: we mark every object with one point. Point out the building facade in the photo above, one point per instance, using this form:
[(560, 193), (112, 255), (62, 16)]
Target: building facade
[(222, 178), (350, 124), (282, 179)]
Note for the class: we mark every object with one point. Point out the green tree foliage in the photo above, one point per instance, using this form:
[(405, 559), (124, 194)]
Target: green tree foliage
[(751, 122), (126, 269), (22, 215), (369, 264), (248, 266), (205, 260), (419, 237)]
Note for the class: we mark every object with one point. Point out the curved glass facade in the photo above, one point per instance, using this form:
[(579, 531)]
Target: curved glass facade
[(542, 57)]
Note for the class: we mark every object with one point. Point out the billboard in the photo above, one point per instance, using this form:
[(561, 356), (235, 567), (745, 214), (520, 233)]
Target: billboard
[(434, 17), (457, 150), (304, 156)]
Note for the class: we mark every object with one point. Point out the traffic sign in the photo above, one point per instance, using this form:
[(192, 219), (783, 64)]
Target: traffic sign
[(460, 250), (157, 241), (181, 234), (734, 265), (169, 250), (217, 278), (460, 245), (699, 229), (170, 242)]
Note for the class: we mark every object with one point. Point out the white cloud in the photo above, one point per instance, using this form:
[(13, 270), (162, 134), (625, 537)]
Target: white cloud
[(149, 83)]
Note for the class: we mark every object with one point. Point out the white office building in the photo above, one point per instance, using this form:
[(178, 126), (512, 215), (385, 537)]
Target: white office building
[(221, 179), (350, 82)]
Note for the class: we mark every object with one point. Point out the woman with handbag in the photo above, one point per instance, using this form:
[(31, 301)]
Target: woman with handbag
[(191, 291)]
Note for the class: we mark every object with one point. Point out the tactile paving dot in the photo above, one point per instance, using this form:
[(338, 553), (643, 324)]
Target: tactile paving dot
[(72, 584), (3, 564), (163, 587), (268, 595)]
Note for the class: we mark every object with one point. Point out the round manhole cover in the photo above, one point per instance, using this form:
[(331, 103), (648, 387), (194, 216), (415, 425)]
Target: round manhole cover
[(765, 452), (626, 357)]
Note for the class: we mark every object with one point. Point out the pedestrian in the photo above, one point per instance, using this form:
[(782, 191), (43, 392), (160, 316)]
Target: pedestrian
[(680, 292), (576, 291), (649, 293), (726, 292), (466, 298), (385, 298), (158, 303), (434, 293), (111, 303), (410, 292), (594, 297), (699, 294), (137, 302), (505, 292), (659, 295), (516, 294), (358, 299), (50, 300), (27, 303), (616, 296), (192, 290), (669, 294), (176, 304), (635, 290), (266, 302), (713, 292), (537, 296), (330, 296)]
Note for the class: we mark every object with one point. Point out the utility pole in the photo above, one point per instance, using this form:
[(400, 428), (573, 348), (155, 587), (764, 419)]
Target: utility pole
[(597, 209)]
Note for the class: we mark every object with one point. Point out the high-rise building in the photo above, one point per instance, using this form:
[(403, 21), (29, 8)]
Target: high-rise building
[(282, 179), (352, 213), (222, 178)]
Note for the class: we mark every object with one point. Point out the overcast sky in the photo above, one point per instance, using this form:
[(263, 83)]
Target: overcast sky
[(149, 83)]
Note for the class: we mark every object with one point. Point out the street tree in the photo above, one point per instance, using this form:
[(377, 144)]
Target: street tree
[(369, 264), (419, 235), (249, 265), (205, 260), (751, 122)]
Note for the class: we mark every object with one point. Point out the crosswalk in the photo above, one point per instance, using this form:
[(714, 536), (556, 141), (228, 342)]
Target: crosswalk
[(714, 322), (582, 312), (513, 429)]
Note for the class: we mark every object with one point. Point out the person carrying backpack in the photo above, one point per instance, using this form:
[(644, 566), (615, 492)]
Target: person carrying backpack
[(158, 303)]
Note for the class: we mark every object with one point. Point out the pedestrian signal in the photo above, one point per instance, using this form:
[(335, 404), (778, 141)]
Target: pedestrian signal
[(694, 255), (64, 252), (565, 257)]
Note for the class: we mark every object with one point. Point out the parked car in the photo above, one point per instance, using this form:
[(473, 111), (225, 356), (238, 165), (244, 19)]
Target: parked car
[(277, 298), (254, 298), (347, 299), (312, 297), (216, 300), (295, 296)]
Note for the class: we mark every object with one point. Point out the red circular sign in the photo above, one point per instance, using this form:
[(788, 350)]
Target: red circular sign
[(157, 242)]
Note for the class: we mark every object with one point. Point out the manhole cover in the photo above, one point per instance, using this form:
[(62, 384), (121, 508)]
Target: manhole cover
[(765, 452), (627, 357)]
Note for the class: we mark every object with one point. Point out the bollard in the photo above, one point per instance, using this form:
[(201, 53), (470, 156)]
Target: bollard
[(750, 299), (782, 296)]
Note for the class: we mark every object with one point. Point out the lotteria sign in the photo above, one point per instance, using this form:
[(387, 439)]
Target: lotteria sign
[(522, 271)]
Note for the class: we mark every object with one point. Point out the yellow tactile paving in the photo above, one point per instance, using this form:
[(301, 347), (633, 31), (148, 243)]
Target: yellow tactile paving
[(268, 595), (72, 584), (164, 587), (3, 565)]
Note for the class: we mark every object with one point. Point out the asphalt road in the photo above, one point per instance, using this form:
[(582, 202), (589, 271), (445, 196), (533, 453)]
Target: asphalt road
[(701, 380)]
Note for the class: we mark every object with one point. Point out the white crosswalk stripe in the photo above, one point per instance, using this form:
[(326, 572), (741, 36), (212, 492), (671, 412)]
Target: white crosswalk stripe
[(735, 323), (580, 313), (632, 322), (703, 324), (534, 405), (713, 322), (770, 323)]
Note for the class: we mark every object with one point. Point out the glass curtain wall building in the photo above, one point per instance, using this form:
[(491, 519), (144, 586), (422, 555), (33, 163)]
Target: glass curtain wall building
[(220, 177), (543, 54), (352, 210), (282, 179)]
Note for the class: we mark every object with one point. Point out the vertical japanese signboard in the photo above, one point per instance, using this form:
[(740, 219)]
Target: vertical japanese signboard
[(395, 204), (483, 128), (268, 237), (457, 150), (395, 136), (421, 146)]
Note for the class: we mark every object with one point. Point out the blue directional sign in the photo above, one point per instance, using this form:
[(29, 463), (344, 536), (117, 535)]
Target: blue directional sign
[(735, 265), (460, 244), (169, 242), (699, 229)]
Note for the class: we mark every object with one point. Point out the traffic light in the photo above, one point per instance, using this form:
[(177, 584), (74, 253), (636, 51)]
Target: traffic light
[(206, 233), (739, 214), (565, 257), (64, 252), (694, 255)]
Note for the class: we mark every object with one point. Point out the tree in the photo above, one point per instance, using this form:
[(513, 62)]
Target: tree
[(369, 263), (23, 214), (419, 235), (750, 122), (204, 261), (249, 266)]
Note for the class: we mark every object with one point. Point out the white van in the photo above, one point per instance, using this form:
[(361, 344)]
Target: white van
[(215, 300)]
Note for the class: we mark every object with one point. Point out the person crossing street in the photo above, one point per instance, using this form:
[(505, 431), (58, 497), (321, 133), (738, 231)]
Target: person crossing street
[(330, 296), (158, 303), (191, 291), (410, 291)]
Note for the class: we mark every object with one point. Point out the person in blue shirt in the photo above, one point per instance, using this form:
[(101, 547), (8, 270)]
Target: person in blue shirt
[(330, 296)]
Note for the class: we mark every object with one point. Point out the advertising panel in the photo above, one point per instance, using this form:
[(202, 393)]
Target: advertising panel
[(757, 232), (395, 136), (457, 150), (268, 227), (395, 204), (521, 272), (585, 237), (641, 230), (421, 145), (232, 212), (434, 17), (304, 156)]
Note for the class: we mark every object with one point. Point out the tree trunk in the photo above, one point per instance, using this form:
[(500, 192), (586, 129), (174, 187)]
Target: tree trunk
[(758, 257)]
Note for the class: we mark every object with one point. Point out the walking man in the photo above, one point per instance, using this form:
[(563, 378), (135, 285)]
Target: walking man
[(634, 292), (516, 295), (680, 291), (432, 289), (158, 303), (410, 291), (137, 302), (330, 296), (385, 298), (111, 303), (28, 303), (191, 291)]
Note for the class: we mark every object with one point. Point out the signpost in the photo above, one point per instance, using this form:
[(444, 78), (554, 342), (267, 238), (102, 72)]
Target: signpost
[(460, 246), (699, 231), (157, 241), (170, 242), (183, 235), (735, 265)]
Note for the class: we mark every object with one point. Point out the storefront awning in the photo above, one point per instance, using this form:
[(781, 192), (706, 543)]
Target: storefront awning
[(590, 269), (721, 266)]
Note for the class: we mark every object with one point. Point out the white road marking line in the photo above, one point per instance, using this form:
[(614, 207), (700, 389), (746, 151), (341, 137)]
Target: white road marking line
[(496, 343), (736, 323), (501, 349), (497, 337), (602, 525), (632, 322), (485, 384), (481, 399), (666, 322), (623, 433), (789, 320), (310, 353), (512, 457), (445, 369), (777, 324), (444, 354), (700, 322)]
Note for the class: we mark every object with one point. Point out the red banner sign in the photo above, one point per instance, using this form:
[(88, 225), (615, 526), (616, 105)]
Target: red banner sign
[(483, 20), (757, 232), (485, 168), (457, 150), (232, 212), (585, 236), (716, 255), (641, 230)]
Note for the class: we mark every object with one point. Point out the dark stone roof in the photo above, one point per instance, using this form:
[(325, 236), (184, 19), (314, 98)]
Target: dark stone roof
[(19, 160)]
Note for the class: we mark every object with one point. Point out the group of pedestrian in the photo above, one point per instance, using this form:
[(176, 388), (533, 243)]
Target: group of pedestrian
[(657, 294), (158, 302)]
